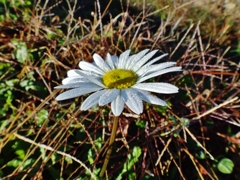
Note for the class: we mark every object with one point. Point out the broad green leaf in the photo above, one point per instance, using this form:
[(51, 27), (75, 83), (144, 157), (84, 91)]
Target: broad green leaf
[(225, 166), (14, 163), (21, 51), (20, 153)]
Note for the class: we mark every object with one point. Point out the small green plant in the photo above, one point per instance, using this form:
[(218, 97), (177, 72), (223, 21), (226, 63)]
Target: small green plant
[(11, 9), (225, 166), (20, 51), (128, 166)]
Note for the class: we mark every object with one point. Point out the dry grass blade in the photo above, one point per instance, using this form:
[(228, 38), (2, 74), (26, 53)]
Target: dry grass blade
[(56, 151), (215, 108)]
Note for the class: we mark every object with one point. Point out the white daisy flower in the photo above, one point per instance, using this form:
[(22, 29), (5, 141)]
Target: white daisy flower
[(119, 81)]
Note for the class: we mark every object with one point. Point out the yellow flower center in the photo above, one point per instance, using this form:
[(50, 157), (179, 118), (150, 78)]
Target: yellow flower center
[(119, 78)]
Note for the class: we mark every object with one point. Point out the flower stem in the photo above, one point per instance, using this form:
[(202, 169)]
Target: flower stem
[(112, 139)]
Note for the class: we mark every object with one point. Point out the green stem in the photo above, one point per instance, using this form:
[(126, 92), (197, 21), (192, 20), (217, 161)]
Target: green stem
[(112, 139)]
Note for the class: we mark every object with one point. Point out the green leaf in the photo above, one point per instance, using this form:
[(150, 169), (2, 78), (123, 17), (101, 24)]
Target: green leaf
[(54, 158), (90, 156), (43, 153), (68, 160), (132, 159), (28, 84), (14, 163), (95, 171), (20, 153), (141, 123), (98, 143), (3, 124), (11, 83), (28, 163), (42, 115), (161, 109), (136, 152), (4, 67), (21, 51), (225, 166)]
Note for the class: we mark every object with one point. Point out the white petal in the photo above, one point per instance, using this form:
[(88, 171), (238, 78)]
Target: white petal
[(156, 67), (74, 80), (110, 61), (132, 100), (92, 100), (92, 79), (77, 85), (129, 62), (136, 59), (73, 73), (156, 59), (117, 105), (123, 59), (90, 67), (101, 63), (115, 60), (152, 61), (77, 92), (153, 74), (164, 88), (108, 96), (142, 61), (146, 96)]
